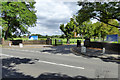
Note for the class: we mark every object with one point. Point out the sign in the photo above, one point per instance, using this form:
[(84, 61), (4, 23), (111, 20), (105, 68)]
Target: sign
[(59, 40), (113, 37), (33, 37)]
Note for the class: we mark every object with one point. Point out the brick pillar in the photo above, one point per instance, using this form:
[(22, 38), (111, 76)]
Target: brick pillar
[(2, 40)]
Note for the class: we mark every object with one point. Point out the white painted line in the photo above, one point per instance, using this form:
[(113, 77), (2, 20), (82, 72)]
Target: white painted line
[(8, 55), (33, 51), (47, 62), (65, 65)]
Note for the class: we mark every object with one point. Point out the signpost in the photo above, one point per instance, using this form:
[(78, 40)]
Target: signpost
[(33, 37), (113, 37)]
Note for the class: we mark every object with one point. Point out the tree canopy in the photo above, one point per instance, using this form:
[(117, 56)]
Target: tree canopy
[(69, 29), (101, 29), (102, 11), (17, 17)]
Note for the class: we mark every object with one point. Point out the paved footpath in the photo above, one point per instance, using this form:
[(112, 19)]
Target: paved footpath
[(53, 61)]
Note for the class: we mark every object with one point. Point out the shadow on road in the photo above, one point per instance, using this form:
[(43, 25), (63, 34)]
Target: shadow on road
[(65, 49), (95, 54), (8, 65), (62, 49), (58, 76), (10, 73), (108, 60)]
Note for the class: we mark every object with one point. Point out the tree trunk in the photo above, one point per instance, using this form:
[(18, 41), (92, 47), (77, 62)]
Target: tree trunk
[(82, 38), (6, 32), (68, 41), (94, 38), (103, 39)]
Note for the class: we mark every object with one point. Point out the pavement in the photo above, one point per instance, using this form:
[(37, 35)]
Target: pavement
[(53, 62), (98, 53)]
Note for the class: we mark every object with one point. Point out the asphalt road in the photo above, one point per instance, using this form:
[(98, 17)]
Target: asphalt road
[(35, 62)]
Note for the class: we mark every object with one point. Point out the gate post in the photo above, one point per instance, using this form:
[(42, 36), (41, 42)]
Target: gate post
[(55, 42), (78, 43)]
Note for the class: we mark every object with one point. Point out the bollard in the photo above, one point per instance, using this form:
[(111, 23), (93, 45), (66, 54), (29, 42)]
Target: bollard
[(83, 49), (21, 45), (103, 50), (10, 44), (78, 43)]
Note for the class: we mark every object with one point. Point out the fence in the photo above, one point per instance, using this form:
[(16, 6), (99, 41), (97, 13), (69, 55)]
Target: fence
[(57, 42), (26, 42), (34, 42), (111, 47)]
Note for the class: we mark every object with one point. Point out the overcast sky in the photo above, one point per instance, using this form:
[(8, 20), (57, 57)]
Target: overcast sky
[(51, 14)]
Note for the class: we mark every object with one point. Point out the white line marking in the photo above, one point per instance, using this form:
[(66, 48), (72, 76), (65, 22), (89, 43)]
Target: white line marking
[(41, 52), (8, 55), (65, 65)]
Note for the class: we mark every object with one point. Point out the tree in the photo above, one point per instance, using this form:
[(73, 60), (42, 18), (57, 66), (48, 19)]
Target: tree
[(96, 29), (17, 17), (39, 35), (113, 30), (102, 11), (0, 33), (101, 29), (62, 36), (107, 29), (85, 29), (68, 30)]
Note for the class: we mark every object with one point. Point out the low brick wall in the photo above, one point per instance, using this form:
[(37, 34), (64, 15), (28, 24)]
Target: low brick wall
[(34, 42), (6, 43), (96, 44), (27, 42), (16, 42), (113, 47)]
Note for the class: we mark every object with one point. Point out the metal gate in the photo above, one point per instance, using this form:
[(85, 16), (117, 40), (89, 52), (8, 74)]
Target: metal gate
[(57, 42)]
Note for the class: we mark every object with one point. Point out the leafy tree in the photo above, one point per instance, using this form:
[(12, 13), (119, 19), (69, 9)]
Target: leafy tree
[(62, 36), (17, 17), (101, 29), (85, 29), (102, 11), (39, 36), (107, 29), (96, 29), (68, 30), (113, 30)]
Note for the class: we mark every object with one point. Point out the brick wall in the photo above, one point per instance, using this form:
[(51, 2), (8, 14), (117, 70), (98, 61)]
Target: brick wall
[(34, 42), (6, 43), (108, 46)]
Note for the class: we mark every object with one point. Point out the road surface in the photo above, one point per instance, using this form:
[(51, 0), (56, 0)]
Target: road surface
[(35, 62)]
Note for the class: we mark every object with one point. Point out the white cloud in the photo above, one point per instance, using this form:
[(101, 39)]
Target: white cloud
[(50, 14)]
